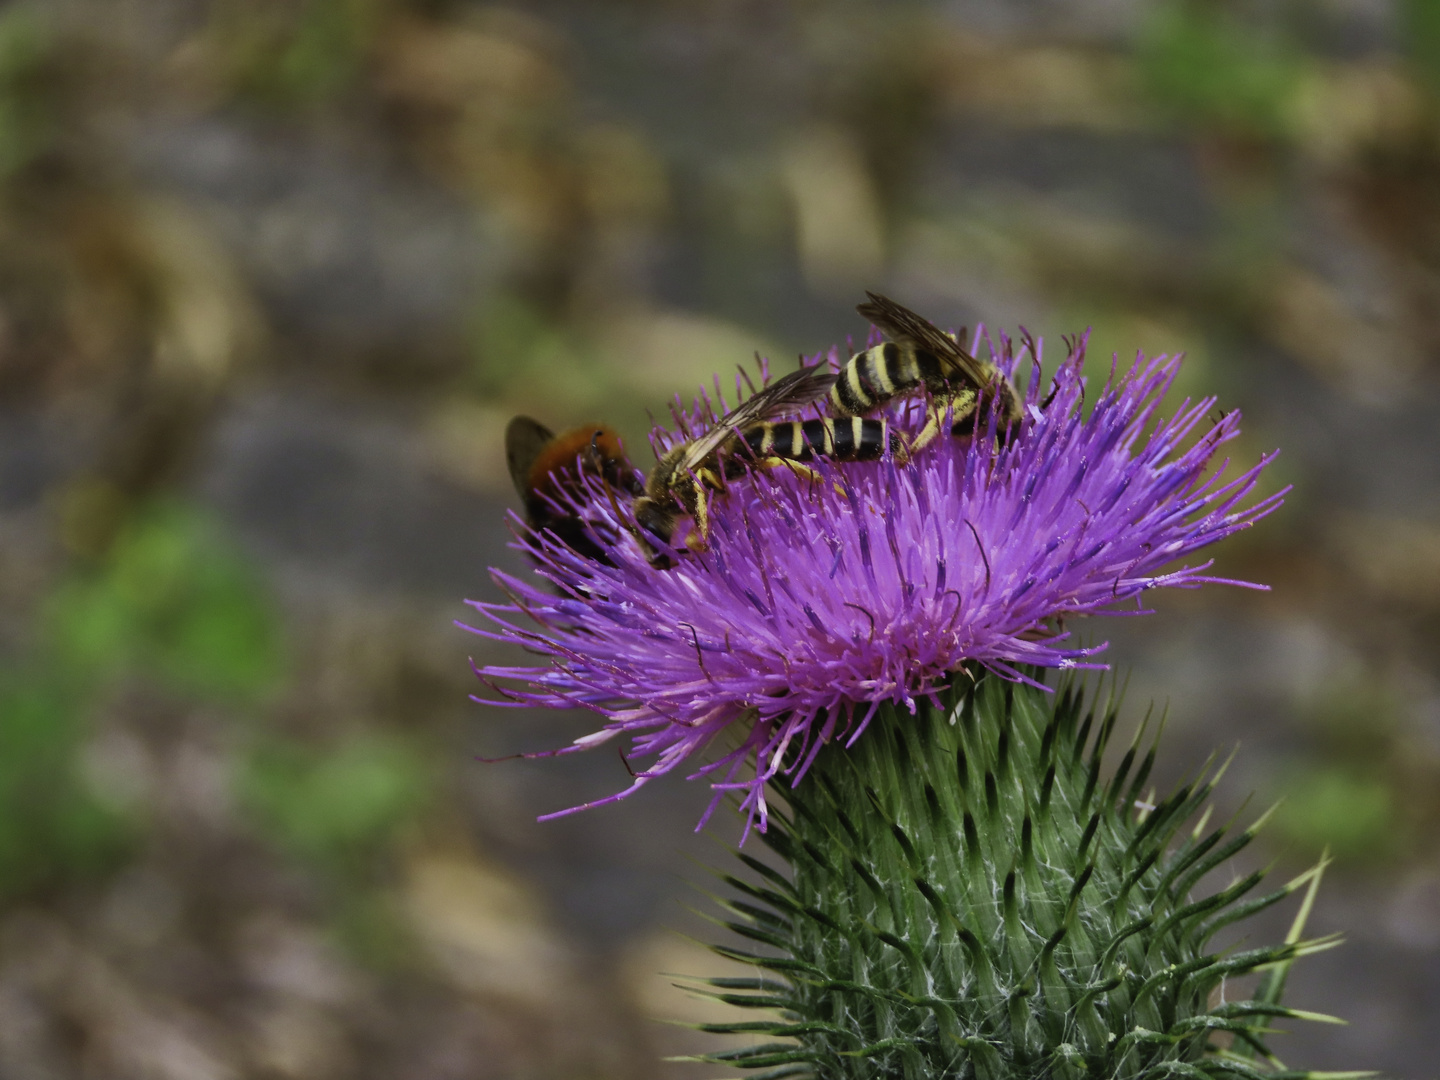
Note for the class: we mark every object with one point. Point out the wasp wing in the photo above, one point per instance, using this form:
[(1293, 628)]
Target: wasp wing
[(525, 440), (902, 324), (794, 391)]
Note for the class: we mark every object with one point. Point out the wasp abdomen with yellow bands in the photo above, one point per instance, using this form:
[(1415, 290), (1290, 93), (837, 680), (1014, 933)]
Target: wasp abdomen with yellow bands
[(920, 356), (881, 373), (848, 439)]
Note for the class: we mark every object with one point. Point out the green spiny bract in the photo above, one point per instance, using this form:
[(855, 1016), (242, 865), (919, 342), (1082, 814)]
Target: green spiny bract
[(972, 895)]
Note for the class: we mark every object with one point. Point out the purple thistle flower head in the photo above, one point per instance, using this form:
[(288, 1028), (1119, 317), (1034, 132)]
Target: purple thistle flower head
[(819, 599)]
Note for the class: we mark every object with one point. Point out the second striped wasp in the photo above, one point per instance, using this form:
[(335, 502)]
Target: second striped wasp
[(920, 356), (742, 440)]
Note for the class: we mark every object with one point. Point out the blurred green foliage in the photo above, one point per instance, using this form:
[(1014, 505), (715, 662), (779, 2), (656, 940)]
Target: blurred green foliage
[(173, 602), (1351, 813), (1348, 794), (295, 55), (1420, 36), (26, 121), (335, 807), (1208, 68), (53, 828), (340, 809), (167, 602)]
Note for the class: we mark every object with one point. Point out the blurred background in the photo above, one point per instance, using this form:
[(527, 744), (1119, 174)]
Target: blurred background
[(274, 274)]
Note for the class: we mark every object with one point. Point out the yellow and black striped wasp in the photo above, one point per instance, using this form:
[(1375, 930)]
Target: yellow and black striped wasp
[(920, 356), (739, 442)]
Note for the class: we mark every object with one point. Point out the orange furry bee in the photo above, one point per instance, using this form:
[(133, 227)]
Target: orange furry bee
[(547, 470)]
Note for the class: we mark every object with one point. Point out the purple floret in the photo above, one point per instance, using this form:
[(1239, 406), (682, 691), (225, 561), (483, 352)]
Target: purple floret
[(819, 600)]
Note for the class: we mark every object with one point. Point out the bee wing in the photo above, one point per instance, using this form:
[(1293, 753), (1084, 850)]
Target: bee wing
[(794, 391), (902, 324), (525, 439)]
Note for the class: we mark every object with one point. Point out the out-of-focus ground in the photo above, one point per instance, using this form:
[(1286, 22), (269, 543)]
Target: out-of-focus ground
[(274, 274)]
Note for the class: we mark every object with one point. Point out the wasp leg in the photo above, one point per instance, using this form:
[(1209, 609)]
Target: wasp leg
[(934, 418), (959, 406), (697, 537), (697, 502), (798, 469)]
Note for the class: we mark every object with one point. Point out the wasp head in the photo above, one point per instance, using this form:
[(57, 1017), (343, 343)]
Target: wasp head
[(657, 519)]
